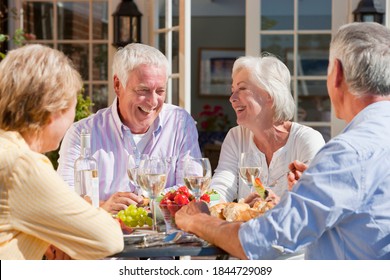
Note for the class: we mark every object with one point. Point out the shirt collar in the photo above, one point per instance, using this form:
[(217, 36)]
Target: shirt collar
[(156, 126), (378, 109)]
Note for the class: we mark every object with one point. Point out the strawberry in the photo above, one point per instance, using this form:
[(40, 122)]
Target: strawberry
[(165, 201), (172, 208), (181, 199), (205, 197), (171, 195), (184, 190)]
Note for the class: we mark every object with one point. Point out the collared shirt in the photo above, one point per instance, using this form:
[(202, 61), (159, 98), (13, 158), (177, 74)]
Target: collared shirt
[(174, 135), (38, 209), (340, 208), (302, 144)]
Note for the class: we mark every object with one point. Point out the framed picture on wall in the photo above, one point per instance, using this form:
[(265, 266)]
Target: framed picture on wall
[(215, 70)]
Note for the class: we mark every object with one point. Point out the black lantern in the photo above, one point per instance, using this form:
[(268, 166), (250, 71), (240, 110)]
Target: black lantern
[(127, 24), (369, 11)]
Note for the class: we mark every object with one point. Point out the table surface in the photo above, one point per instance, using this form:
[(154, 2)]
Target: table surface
[(171, 250)]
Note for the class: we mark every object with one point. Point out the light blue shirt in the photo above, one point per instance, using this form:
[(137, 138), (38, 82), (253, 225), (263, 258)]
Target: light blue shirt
[(174, 134), (340, 208)]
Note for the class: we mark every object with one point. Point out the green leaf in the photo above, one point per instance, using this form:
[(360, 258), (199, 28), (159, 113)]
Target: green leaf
[(83, 107), (3, 38)]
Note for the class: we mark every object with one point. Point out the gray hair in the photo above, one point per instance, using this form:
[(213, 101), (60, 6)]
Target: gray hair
[(273, 76), (364, 52), (133, 55)]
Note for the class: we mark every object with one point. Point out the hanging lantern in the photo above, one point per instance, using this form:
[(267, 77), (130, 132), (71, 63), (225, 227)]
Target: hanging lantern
[(127, 24), (369, 11)]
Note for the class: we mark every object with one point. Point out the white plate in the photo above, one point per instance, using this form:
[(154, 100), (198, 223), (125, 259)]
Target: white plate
[(134, 238)]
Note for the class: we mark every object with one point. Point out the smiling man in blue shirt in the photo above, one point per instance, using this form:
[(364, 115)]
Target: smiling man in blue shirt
[(339, 208)]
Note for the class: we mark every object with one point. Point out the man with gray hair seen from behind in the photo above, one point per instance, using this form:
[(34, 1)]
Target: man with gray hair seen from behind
[(339, 208)]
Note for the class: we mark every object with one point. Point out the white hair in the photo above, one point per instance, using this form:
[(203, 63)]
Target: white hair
[(273, 76)]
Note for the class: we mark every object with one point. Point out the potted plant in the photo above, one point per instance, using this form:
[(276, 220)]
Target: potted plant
[(213, 125), (83, 110)]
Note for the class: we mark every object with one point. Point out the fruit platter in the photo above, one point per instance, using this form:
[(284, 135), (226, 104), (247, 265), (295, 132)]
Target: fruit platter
[(174, 199), (134, 217), (139, 218)]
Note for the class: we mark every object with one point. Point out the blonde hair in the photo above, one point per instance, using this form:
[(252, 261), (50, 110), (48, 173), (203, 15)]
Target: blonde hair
[(35, 81)]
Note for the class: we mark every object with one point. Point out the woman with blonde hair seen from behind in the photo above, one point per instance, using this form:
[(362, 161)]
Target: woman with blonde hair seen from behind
[(38, 95)]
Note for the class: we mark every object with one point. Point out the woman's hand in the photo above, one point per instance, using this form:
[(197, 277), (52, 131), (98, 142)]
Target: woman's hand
[(253, 197), (296, 169)]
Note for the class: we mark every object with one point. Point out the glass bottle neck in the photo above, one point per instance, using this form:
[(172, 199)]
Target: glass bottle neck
[(85, 152), (85, 145)]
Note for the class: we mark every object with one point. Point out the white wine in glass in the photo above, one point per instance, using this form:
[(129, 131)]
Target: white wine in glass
[(133, 162), (152, 176), (250, 168), (197, 175)]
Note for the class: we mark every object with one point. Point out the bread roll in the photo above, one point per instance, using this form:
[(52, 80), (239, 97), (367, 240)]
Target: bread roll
[(235, 211), (217, 210), (239, 212)]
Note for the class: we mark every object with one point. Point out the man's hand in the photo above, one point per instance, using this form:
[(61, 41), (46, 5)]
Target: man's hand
[(183, 216), (296, 170), (120, 201)]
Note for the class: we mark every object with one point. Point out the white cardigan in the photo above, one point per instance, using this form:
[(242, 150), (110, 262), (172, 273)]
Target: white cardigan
[(303, 143)]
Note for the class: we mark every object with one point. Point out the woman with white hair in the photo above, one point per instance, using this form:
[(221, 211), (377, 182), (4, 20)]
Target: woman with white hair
[(38, 95), (264, 107)]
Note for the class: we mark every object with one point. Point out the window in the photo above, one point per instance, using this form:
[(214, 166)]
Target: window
[(298, 32), (172, 35), (80, 30)]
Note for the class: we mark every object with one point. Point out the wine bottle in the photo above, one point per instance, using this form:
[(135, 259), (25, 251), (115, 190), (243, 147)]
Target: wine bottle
[(86, 171)]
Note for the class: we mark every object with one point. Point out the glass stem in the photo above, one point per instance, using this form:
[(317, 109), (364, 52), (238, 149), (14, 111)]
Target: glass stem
[(154, 216)]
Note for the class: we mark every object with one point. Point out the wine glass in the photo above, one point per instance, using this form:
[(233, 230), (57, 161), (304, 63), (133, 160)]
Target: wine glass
[(197, 175), (250, 168), (152, 176), (133, 162)]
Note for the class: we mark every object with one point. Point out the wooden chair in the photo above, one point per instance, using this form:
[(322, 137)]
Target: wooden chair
[(212, 152)]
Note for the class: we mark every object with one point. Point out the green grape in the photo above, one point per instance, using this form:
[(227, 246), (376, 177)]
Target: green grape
[(133, 212), (134, 216), (149, 221), (127, 211), (141, 222), (132, 206)]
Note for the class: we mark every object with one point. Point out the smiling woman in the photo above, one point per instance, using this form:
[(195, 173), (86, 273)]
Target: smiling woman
[(264, 108)]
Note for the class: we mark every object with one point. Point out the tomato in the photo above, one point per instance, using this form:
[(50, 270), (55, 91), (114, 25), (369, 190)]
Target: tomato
[(205, 197)]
